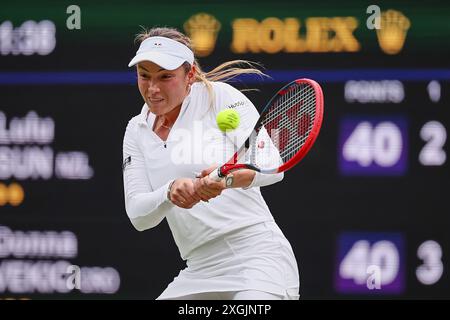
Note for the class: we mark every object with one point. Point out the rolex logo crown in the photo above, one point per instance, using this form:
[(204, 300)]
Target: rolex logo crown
[(392, 34), (202, 28)]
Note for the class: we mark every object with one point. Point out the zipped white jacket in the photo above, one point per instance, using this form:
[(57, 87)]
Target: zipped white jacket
[(194, 143)]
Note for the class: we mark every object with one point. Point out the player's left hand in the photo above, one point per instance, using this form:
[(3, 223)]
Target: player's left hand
[(207, 188)]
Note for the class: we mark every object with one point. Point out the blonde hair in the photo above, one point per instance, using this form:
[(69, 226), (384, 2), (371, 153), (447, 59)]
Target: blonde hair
[(224, 72)]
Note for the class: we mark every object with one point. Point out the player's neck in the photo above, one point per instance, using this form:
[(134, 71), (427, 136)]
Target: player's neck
[(169, 118)]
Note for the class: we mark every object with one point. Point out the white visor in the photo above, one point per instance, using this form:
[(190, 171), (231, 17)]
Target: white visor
[(166, 53)]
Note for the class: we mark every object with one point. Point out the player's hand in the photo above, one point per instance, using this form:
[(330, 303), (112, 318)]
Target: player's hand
[(207, 188), (182, 193)]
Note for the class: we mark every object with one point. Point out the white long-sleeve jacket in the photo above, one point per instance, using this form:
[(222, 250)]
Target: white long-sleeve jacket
[(194, 143)]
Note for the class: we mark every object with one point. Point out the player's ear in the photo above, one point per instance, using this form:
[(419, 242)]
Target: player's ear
[(191, 74)]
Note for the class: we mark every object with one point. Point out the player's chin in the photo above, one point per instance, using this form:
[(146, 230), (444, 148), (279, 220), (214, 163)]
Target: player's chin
[(157, 107)]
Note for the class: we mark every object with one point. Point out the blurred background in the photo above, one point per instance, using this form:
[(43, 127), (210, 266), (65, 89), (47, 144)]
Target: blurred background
[(367, 211)]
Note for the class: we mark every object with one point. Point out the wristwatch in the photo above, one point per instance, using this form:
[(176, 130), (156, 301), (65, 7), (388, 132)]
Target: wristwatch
[(229, 180), (168, 191)]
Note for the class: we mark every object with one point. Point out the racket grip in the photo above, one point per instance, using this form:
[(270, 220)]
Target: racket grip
[(214, 175)]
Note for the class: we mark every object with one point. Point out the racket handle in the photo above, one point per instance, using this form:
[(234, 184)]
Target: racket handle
[(214, 175)]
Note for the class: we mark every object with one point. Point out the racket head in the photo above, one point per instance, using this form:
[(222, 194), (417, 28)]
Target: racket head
[(292, 118), (286, 130)]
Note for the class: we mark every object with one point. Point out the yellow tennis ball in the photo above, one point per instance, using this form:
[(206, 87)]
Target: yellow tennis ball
[(227, 120)]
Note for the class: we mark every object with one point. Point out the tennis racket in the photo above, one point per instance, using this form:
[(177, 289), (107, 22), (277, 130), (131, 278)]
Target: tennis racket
[(285, 132)]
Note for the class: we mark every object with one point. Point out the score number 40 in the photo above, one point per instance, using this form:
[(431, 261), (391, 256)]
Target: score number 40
[(374, 146), (377, 261)]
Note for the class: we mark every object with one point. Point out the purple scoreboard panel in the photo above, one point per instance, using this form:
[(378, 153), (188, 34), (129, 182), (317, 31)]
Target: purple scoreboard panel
[(370, 263), (373, 145)]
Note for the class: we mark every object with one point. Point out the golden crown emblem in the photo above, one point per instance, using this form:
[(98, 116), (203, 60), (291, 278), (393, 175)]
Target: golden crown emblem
[(392, 34), (202, 28)]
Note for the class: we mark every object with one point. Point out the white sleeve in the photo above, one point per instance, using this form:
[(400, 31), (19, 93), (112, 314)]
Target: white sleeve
[(229, 97), (145, 208), (261, 179)]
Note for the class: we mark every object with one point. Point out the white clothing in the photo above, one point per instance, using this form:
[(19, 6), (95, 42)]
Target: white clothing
[(193, 144), (233, 295), (256, 257)]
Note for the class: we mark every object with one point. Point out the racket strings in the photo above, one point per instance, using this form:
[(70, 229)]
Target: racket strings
[(269, 156), (302, 127), (287, 127), (275, 119), (280, 109)]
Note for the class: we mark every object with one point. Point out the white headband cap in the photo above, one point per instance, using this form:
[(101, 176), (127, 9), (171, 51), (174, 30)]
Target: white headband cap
[(167, 53)]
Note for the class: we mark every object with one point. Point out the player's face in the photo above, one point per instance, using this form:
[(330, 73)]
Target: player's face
[(163, 90)]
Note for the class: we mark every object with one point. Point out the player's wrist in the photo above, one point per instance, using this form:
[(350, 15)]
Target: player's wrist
[(169, 189), (250, 180)]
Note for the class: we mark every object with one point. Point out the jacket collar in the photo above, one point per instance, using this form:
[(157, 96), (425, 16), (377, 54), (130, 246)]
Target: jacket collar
[(143, 116)]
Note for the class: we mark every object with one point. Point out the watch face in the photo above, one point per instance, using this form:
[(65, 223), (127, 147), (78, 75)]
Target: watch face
[(228, 181)]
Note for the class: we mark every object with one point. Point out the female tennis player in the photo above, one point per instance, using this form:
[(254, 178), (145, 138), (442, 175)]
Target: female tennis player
[(223, 229)]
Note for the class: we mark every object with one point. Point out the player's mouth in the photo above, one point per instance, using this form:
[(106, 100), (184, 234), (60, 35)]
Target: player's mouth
[(156, 100)]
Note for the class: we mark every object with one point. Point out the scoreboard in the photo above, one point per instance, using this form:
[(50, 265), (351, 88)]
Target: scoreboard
[(366, 212)]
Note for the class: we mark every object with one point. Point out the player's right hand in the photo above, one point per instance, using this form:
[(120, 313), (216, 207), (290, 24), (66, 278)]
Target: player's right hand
[(182, 193)]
